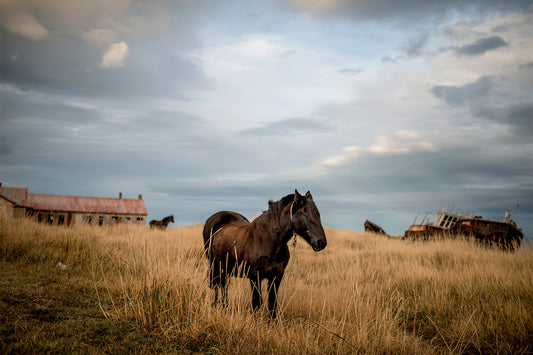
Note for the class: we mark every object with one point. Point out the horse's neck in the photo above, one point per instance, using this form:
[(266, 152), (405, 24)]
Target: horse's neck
[(280, 229)]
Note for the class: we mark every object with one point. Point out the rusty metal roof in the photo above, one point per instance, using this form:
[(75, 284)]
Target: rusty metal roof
[(80, 204), (86, 204), (17, 195)]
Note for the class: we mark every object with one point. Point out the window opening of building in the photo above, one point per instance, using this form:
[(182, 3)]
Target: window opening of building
[(101, 220), (61, 219)]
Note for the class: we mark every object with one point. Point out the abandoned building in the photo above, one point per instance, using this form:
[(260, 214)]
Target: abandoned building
[(16, 202)]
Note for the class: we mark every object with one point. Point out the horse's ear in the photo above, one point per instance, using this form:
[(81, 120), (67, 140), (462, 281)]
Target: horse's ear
[(297, 197), (308, 195)]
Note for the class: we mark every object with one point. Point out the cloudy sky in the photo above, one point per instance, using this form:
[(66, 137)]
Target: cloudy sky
[(381, 109)]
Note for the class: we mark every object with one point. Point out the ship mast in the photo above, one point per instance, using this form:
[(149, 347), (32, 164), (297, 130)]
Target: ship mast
[(508, 214)]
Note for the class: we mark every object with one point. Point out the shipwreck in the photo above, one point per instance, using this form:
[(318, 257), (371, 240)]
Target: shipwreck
[(505, 234), (373, 228)]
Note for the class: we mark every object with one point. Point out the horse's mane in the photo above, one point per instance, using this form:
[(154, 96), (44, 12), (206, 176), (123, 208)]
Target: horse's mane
[(275, 208)]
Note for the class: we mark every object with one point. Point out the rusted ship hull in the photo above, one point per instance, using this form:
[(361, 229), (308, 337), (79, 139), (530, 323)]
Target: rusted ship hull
[(505, 235), (371, 227), (423, 232)]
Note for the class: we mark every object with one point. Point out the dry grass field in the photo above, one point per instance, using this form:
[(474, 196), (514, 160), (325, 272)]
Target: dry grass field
[(128, 289)]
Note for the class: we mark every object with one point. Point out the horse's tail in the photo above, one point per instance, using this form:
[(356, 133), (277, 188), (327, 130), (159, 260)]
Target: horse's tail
[(211, 223)]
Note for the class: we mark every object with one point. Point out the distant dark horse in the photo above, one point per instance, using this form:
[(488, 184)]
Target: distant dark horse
[(162, 224), (258, 250)]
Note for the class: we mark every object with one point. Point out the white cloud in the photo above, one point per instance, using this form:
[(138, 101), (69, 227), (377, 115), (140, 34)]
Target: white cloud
[(347, 155), (401, 142), (115, 55), (26, 25)]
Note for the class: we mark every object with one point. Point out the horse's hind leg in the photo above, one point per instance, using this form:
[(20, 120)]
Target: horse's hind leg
[(218, 280), (257, 299), (214, 280), (224, 280)]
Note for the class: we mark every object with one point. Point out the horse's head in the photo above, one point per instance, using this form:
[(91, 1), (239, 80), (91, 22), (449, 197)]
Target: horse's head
[(305, 220), (172, 218)]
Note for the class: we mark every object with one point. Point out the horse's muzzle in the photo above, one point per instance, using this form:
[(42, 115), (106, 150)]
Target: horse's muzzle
[(319, 245)]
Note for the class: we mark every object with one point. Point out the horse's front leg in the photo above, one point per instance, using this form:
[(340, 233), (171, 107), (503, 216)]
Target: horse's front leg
[(257, 298), (273, 286)]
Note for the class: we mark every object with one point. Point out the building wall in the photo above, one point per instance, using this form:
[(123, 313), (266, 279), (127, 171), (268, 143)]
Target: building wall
[(94, 219), (19, 212), (6, 208)]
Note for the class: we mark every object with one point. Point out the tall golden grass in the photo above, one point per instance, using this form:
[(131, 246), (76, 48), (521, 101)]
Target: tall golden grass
[(363, 294)]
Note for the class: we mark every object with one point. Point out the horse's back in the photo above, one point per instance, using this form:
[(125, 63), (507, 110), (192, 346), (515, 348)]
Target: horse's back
[(219, 220)]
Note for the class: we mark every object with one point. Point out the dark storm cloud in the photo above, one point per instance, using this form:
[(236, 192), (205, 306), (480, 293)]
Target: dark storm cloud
[(19, 105), (68, 58), (286, 127), (389, 59), (52, 139), (447, 169), (416, 46), (479, 97), (460, 95), (32, 125), (519, 116), (481, 46), (72, 68)]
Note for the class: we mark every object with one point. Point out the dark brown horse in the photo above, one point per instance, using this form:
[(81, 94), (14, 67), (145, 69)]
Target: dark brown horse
[(258, 250), (162, 224)]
